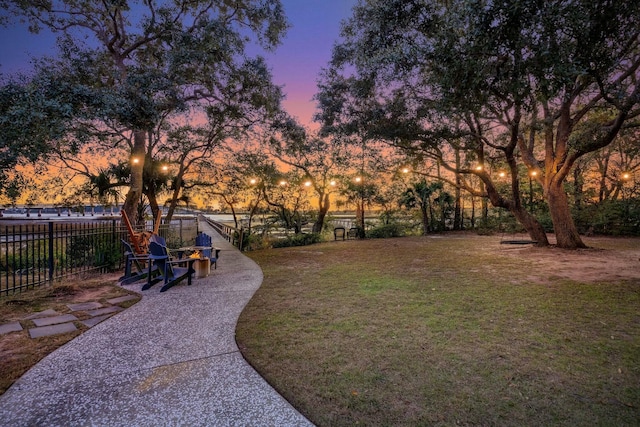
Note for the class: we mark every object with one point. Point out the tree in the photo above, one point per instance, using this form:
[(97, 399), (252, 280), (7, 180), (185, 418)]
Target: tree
[(496, 81), (139, 65), (238, 182), (317, 159), (419, 195)]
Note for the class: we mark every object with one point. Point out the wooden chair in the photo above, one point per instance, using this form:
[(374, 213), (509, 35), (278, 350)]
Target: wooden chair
[(168, 269), (203, 239), (140, 239), (135, 267)]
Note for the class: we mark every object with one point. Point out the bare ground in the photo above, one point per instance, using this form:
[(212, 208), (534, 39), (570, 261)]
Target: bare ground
[(607, 259)]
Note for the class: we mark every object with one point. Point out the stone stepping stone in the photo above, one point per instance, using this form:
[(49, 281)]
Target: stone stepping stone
[(84, 306), (121, 299), (46, 321), (46, 313), (106, 310), (45, 331), (10, 327), (89, 323)]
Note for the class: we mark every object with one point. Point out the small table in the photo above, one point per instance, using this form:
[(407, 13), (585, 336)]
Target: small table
[(202, 267), (202, 264)]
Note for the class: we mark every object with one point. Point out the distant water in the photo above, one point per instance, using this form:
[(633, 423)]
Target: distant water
[(62, 213)]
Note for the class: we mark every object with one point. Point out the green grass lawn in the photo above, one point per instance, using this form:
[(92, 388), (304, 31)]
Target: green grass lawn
[(456, 330)]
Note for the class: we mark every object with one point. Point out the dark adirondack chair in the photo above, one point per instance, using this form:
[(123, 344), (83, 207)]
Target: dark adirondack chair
[(203, 239), (135, 266), (158, 239), (168, 269)]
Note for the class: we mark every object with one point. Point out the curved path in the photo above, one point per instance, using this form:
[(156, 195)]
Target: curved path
[(171, 359)]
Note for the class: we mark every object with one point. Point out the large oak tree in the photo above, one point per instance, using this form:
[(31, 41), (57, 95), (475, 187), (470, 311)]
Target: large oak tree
[(140, 63), (521, 84)]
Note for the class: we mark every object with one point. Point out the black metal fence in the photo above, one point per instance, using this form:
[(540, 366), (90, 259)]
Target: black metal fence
[(34, 253)]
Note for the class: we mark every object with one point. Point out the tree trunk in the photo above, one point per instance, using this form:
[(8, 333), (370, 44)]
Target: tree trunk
[(323, 209), (565, 229), (473, 213), (527, 220), (425, 219), (132, 199), (458, 216), (153, 204), (360, 218), (531, 225)]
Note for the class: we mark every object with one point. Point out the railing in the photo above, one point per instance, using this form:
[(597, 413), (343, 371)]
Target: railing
[(34, 253), (233, 235)]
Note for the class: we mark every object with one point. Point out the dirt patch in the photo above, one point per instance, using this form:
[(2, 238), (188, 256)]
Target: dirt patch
[(606, 259)]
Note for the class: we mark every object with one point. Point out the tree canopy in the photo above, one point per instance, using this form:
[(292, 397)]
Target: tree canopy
[(143, 68), (511, 84)]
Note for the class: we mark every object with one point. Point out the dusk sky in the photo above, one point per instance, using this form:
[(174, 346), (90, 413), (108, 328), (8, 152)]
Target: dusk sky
[(315, 26)]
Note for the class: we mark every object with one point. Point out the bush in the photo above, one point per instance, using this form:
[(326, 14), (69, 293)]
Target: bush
[(386, 231), (301, 239), (254, 242)]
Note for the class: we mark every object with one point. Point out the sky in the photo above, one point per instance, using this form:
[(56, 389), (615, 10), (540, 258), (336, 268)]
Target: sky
[(296, 63)]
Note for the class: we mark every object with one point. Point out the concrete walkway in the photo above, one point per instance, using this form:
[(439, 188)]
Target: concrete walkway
[(169, 360)]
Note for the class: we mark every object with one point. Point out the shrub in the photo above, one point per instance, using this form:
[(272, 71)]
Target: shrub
[(301, 239), (254, 242), (386, 231)]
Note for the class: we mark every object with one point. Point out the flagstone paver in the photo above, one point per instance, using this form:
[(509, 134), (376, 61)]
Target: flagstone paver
[(45, 331), (10, 327), (105, 310), (84, 306), (46, 321), (122, 299), (89, 323), (46, 313)]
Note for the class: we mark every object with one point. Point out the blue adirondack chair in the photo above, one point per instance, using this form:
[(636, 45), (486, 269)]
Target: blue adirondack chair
[(168, 269), (203, 239), (158, 239), (135, 265)]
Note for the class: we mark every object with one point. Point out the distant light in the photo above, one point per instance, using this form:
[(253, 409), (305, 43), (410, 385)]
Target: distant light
[(405, 170), (626, 176), (333, 183), (165, 168), (479, 167), (307, 184), (534, 173), (135, 160), (502, 174), (358, 179), (283, 183), (253, 181)]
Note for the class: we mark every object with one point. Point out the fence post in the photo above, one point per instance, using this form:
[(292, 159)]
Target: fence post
[(51, 260), (114, 237)]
